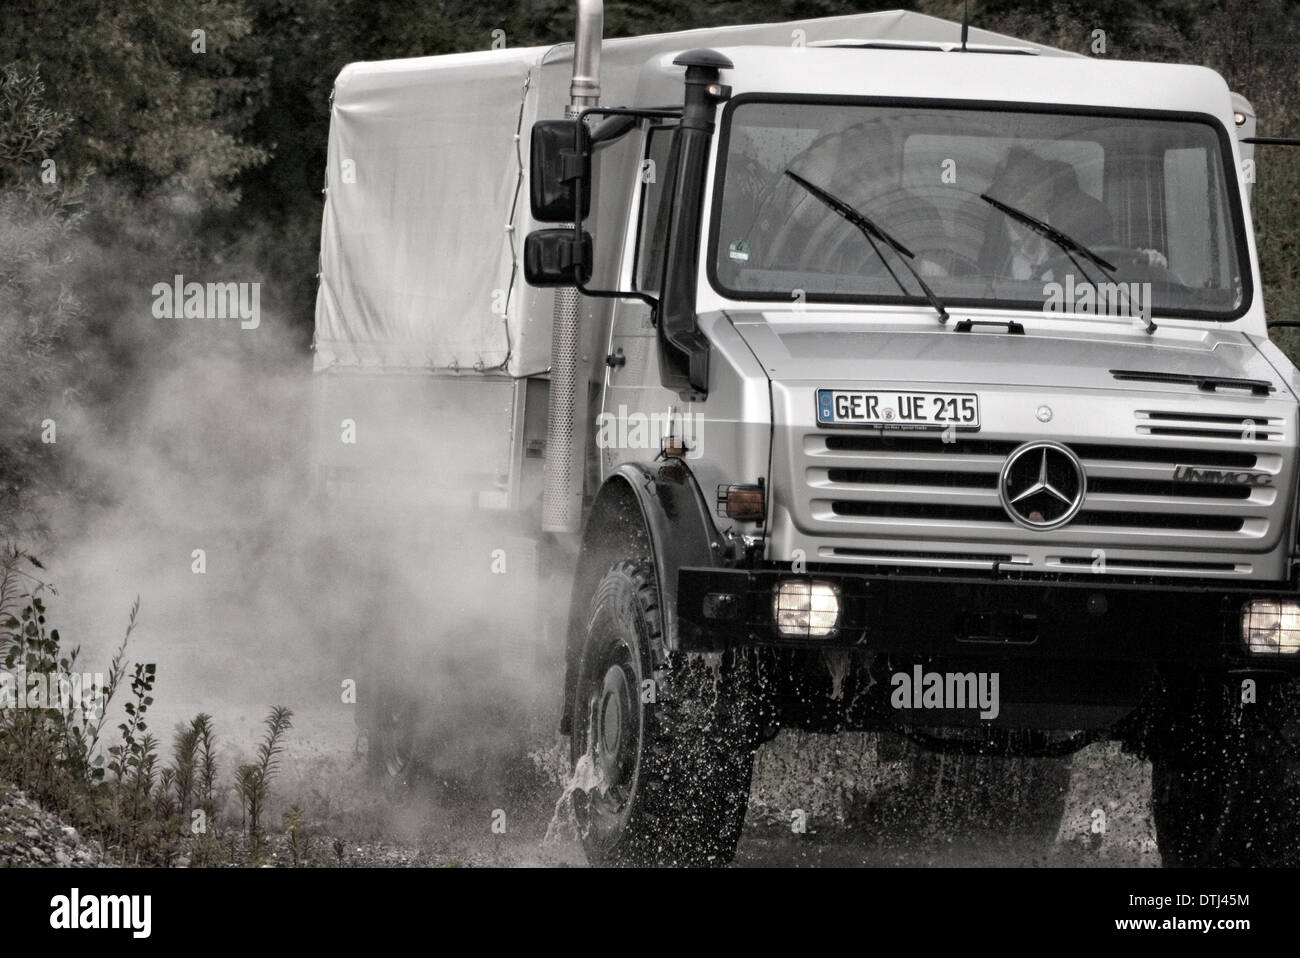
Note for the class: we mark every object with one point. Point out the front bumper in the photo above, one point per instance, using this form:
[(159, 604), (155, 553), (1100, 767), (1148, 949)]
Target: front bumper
[(1061, 619)]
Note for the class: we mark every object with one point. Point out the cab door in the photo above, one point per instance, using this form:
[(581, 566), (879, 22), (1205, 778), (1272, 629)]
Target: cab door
[(636, 407)]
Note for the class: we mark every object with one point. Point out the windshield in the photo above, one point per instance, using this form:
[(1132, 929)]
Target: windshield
[(1045, 211)]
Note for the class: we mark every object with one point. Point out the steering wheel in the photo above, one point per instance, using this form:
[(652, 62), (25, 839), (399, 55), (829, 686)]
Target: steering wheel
[(1132, 266), (836, 246), (1136, 265), (931, 262), (952, 263)]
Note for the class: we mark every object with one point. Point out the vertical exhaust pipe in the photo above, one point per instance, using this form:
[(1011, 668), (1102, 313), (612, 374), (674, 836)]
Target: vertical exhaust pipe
[(567, 410), (584, 91)]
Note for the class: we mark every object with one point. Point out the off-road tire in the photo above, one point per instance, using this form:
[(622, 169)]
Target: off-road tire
[(1223, 785), (673, 736), (393, 736)]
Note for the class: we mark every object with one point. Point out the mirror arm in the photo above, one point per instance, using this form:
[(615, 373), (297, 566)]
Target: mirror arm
[(646, 298), (577, 171), (617, 111)]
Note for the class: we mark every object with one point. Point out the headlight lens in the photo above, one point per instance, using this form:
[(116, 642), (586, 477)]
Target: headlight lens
[(1270, 627), (805, 609)]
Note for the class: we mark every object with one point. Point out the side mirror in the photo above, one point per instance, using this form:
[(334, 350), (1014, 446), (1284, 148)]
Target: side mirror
[(560, 153), (557, 258)]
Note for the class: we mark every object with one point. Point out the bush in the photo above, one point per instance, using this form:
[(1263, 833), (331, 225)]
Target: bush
[(142, 811)]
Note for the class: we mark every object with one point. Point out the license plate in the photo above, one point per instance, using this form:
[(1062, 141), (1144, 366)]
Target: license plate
[(892, 409)]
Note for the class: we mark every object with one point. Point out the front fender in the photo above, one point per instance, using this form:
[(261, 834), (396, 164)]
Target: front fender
[(651, 511), (680, 526)]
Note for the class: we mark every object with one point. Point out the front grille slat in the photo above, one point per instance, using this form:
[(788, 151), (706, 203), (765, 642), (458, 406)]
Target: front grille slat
[(1209, 522), (1200, 433), (912, 477), (1165, 489), (892, 459), (919, 498), (1172, 505), (1136, 475), (993, 452), (1196, 425)]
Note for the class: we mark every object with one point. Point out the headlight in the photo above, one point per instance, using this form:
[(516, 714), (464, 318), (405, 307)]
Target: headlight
[(1270, 627), (806, 609)]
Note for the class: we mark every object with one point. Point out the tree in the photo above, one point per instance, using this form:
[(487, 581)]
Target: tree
[(39, 213)]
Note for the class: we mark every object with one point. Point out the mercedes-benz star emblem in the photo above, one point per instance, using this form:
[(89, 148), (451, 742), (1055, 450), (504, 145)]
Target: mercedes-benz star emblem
[(1042, 485)]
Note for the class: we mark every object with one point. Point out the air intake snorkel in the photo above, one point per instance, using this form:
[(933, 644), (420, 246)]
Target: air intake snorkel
[(685, 349)]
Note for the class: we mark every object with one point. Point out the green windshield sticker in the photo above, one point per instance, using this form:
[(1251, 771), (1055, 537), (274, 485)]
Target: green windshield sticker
[(739, 251)]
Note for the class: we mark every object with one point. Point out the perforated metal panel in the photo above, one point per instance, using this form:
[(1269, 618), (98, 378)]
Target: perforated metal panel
[(562, 491), (562, 499)]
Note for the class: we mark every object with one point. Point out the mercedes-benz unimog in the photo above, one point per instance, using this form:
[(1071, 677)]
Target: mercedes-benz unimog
[(865, 373)]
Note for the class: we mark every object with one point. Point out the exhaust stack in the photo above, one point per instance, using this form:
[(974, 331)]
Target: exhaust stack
[(584, 90), (567, 412)]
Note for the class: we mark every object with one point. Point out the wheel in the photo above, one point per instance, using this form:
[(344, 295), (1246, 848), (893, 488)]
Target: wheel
[(960, 794), (1196, 775), (949, 263), (1191, 808), (394, 736), (663, 745), (1222, 791), (1131, 265)]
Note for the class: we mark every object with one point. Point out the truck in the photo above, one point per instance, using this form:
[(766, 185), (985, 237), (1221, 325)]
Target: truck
[(873, 373)]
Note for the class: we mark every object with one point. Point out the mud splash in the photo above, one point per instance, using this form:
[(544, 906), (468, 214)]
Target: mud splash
[(585, 777)]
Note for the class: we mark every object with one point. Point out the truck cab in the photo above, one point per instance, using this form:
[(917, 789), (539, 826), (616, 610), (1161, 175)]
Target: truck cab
[(963, 361)]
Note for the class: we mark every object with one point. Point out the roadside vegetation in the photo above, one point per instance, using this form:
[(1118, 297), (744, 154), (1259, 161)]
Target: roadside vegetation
[(141, 807)]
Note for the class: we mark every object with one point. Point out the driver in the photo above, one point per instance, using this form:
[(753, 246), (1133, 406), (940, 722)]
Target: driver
[(1047, 190)]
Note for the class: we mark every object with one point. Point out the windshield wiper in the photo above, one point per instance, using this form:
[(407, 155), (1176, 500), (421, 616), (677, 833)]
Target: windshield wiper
[(1063, 240), (873, 232), (1067, 243)]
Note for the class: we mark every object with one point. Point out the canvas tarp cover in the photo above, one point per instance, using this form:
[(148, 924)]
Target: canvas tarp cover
[(417, 267), (422, 175)]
